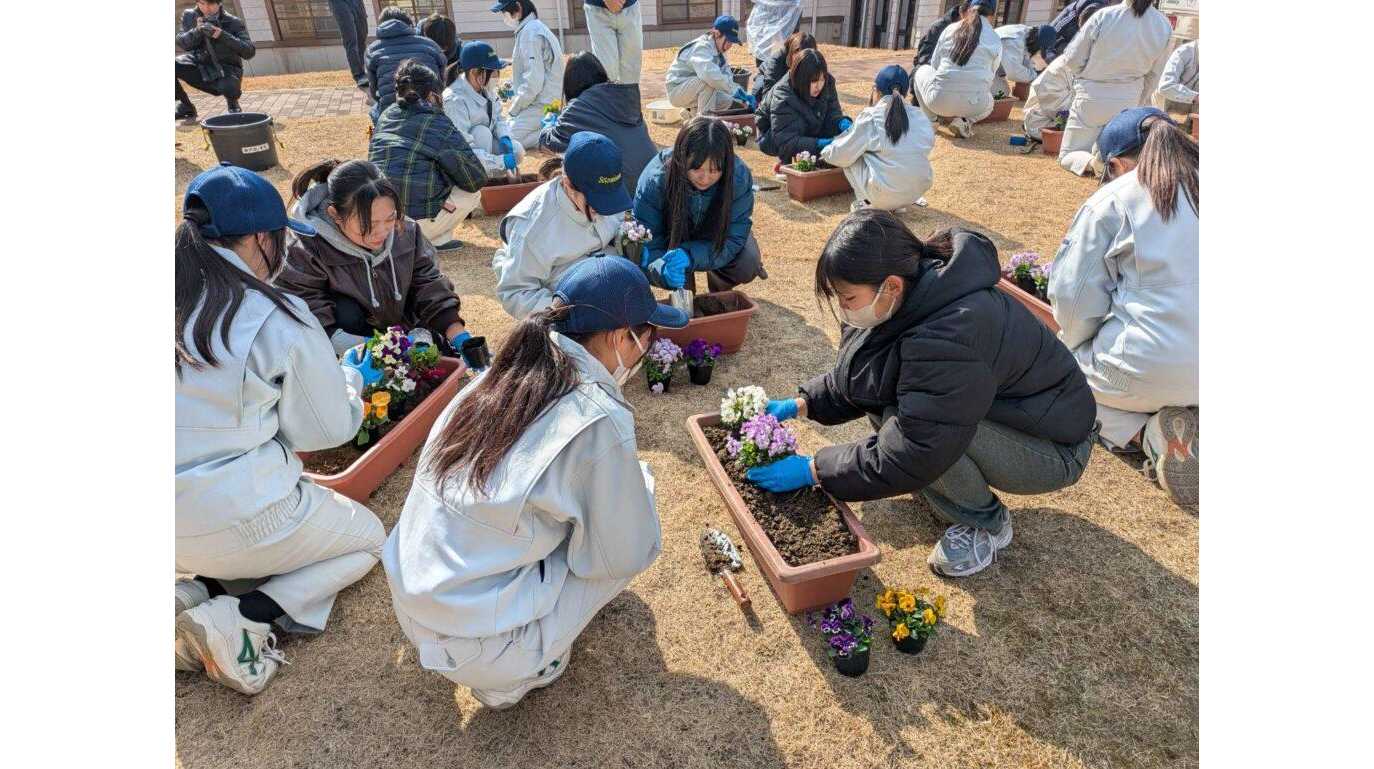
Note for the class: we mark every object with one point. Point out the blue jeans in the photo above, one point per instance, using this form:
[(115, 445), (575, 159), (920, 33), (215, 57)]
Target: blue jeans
[(352, 20)]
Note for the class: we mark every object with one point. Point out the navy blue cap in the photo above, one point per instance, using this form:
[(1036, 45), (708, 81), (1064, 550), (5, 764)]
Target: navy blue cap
[(593, 165), (726, 25), (502, 5), (240, 203), (606, 292), (1123, 134), (892, 77), (1045, 36), (990, 5), (479, 55)]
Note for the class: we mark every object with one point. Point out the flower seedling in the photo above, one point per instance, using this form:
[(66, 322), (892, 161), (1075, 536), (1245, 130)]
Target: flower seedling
[(909, 614), (741, 131), (741, 404), (702, 353), (659, 363), (847, 631), (1022, 265), (1061, 119), (804, 161), (553, 107), (762, 440), (408, 370), (1041, 276), (634, 231)]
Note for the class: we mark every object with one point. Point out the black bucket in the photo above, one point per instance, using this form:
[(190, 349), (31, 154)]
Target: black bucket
[(244, 139)]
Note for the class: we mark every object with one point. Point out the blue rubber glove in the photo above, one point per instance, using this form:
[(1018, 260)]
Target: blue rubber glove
[(508, 160), (360, 360), (549, 119), (505, 144), (786, 474), (845, 124), (823, 143), (783, 410), (675, 265)]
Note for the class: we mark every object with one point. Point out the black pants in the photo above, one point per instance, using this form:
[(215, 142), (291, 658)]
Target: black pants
[(229, 87), (352, 21)]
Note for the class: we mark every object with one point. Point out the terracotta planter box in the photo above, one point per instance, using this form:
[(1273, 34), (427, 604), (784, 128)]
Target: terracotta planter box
[(1197, 125), (1001, 110), (741, 116), (379, 462), (809, 185), (1021, 91), (799, 588), (500, 196), (1041, 310), (726, 329), (1051, 140)]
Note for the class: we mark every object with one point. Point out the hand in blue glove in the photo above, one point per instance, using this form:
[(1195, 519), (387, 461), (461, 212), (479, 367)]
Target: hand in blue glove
[(360, 360), (845, 124), (508, 160), (823, 143), (505, 144), (457, 341), (740, 95), (675, 265), (549, 119), (782, 410), (786, 474)]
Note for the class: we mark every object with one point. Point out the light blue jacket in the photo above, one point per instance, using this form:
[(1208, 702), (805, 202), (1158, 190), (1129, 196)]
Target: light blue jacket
[(650, 202)]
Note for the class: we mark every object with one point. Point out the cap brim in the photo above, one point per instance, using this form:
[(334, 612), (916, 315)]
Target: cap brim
[(501, 6), (668, 316), (298, 226), (732, 37), (612, 202)]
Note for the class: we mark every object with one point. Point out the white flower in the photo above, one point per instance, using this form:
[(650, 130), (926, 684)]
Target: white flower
[(408, 385), (744, 403), (389, 360)]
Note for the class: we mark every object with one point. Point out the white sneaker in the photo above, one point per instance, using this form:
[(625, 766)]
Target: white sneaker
[(236, 652), (965, 550), (1172, 447), (190, 593), (502, 699), (962, 126)]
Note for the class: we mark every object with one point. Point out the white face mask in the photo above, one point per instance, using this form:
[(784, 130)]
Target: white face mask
[(622, 374), (510, 21), (867, 317)]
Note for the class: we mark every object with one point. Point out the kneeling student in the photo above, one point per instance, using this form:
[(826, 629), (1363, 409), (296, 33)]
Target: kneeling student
[(476, 111), (886, 154), (530, 509)]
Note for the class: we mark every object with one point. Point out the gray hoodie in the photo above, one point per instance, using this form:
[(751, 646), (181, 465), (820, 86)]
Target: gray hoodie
[(613, 110)]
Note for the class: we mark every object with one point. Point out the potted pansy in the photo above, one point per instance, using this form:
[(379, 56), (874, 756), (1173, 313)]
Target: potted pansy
[(506, 92), (911, 619), (762, 440), (804, 161), (1022, 268), (741, 132), (808, 178), (633, 236), (701, 360), (1041, 277), (659, 363), (848, 634), (1052, 138), (740, 404)]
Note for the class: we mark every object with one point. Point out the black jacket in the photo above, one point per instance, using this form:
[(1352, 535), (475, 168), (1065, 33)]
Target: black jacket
[(956, 352), (789, 123), (926, 48), (216, 57), (613, 110), (770, 73)]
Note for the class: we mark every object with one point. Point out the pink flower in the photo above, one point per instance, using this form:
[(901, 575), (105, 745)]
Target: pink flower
[(656, 388)]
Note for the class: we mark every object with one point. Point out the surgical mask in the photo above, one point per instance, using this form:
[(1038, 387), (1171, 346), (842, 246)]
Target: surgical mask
[(867, 317), (623, 374), (510, 21)]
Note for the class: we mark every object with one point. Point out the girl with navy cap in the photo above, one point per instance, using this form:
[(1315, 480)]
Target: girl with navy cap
[(1124, 287), (955, 88), (1020, 42), (537, 69), (470, 101), (530, 508), (257, 381), (886, 154)]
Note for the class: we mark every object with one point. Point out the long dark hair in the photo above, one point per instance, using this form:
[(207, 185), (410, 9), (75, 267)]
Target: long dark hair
[(1141, 6), (202, 273), (1167, 160), (416, 83), (353, 187), (582, 71), (441, 30), (703, 140), (529, 374), (967, 35), (808, 68), (527, 9), (895, 124), (796, 42), (871, 244)]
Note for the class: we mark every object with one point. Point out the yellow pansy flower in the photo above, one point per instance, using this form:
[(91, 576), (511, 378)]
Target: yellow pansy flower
[(885, 607), (900, 631), (940, 605), (380, 400), (367, 409), (907, 603), (928, 616)]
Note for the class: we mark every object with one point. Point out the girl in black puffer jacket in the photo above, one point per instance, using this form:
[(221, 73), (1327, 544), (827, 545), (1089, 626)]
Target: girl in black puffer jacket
[(965, 389), (801, 112)]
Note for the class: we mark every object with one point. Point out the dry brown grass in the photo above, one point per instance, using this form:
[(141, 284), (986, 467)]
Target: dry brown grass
[(1079, 648)]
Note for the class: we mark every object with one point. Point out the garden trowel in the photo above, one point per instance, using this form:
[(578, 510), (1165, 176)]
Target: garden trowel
[(722, 558)]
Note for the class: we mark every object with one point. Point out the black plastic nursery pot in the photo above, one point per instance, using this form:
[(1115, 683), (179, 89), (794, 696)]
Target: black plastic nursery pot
[(667, 383), (911, 644), (1025, 284), (245, 139), (700, 375), (476, 353), (854, 665)]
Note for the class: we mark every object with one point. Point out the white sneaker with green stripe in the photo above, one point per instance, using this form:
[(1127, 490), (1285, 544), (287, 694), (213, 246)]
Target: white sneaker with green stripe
[(189, 594), (236, 651)]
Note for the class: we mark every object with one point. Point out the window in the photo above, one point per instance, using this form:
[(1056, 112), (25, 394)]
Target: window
[(417, 9), (304, 20), (688, 11)]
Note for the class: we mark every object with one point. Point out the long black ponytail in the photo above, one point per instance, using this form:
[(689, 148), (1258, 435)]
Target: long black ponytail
[(967, 36), (1141, 6)]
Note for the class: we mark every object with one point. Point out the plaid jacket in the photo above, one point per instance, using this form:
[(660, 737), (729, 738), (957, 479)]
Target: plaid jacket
[(418, 148)]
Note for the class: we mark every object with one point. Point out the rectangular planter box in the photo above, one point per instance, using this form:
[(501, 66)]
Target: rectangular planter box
[(809, 185), (498, 197), (738, 117), (1051, 140), (1021, 91), (727, 329), (799, 588), (378, 463), (1041, 310), (1001, 110)]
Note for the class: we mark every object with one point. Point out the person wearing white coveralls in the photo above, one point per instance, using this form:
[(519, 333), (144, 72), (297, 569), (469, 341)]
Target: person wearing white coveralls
[(1115, 60), (562, 221), (1050, 94), (474, 108), (245, 404), (960, 94), (699, 79), (1020, 42), (529, 514), (616, 29), (1124, 288), (886, 172), (1178, 84), (536, 70)]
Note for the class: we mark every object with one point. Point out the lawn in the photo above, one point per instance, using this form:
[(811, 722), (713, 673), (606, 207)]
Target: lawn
[(1078, 648)]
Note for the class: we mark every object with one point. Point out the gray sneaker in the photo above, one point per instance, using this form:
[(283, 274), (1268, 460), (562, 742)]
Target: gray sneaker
[(190, 593), (1171, 445), (965, 550), (502, 699)]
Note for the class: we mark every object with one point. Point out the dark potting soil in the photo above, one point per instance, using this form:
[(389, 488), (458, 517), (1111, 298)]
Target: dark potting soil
[(501, 181), (803, 525), (340, 458), (704, 305)]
